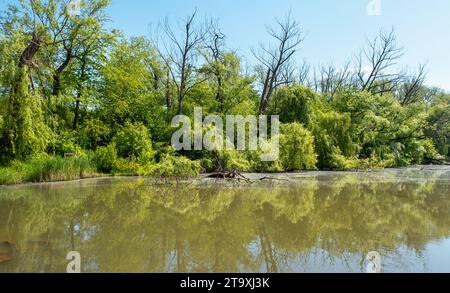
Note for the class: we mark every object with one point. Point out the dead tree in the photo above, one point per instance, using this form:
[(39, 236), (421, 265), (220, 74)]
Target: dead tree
[(330, 79), (215, 46), (303, 74), (180, 54), (275, 59), (411, 89), (380, 55)]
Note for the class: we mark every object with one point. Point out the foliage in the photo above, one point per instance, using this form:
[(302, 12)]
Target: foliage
[(24, 131), (133, 141), (231, 160), (297, 148), (176, 167), (94, 133), (332, 135), (69, 86), (295, 104), (66, 143), (105, 158), (45, 168), (126, 167)]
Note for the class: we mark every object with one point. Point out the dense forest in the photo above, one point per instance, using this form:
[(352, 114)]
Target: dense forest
[(79, 99)]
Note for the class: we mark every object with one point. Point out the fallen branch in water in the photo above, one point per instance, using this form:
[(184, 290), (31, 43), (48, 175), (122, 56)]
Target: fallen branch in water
[(236, 175), (223, 175), (273, 178), (229, 175)]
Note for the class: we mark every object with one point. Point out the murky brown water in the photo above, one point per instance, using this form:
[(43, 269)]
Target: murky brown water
[(319, 222)]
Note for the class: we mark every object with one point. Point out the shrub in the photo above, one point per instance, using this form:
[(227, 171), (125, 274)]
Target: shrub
[(207, 164), (133, 141), (105, 158), (176, 167), (66, 143), (231, 160), (421, 150), (263, 166), (332, 133), (341, 162), (126, 167)]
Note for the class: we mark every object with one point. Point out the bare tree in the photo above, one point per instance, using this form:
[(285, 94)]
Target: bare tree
[(332, 79), (215, 46), (410, 90), (382, 55), (276, 59), (179, 53), (303, 74)]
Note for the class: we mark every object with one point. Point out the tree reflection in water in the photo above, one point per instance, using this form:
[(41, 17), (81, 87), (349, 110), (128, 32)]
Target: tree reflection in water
[(319, 223)]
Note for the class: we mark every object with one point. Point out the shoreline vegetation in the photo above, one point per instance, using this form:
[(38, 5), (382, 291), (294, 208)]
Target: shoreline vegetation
[(244, 178), (78, 99), (48, 169)]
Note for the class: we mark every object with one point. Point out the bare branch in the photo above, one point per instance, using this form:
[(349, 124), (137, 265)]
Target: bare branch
[(276, 59), (180, 52), (381, 55)]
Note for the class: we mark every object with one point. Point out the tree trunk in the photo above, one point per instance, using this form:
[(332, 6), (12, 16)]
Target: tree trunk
[(181, 97), (79, 94), (57, 75), (180, 105), (77, 113), (219, 96), (265, 93), (168, 92), (27, 57)]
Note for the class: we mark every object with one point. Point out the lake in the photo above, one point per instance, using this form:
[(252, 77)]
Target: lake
[(303, 222)]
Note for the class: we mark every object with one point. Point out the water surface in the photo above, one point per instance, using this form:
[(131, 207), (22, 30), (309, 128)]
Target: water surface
[(312, 222)]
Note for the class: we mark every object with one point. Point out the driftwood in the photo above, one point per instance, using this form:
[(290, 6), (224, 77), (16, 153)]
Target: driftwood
[(224, 175), (273, 178), (236, 175)]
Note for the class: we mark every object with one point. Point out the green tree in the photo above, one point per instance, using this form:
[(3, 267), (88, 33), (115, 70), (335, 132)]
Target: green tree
[(134, 141), (24, 131), (132, 77), (297, 148)]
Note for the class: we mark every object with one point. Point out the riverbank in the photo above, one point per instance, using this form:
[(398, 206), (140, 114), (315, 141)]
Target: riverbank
[(254, 178), (47, 169)]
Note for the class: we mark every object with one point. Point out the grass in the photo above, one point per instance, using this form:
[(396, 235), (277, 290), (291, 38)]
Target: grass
[(9, 176), (47, 169)]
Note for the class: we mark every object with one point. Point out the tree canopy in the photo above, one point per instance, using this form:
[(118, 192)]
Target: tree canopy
[(70, 85)]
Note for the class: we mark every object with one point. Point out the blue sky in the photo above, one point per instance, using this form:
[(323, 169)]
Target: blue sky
[(334, 29)]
